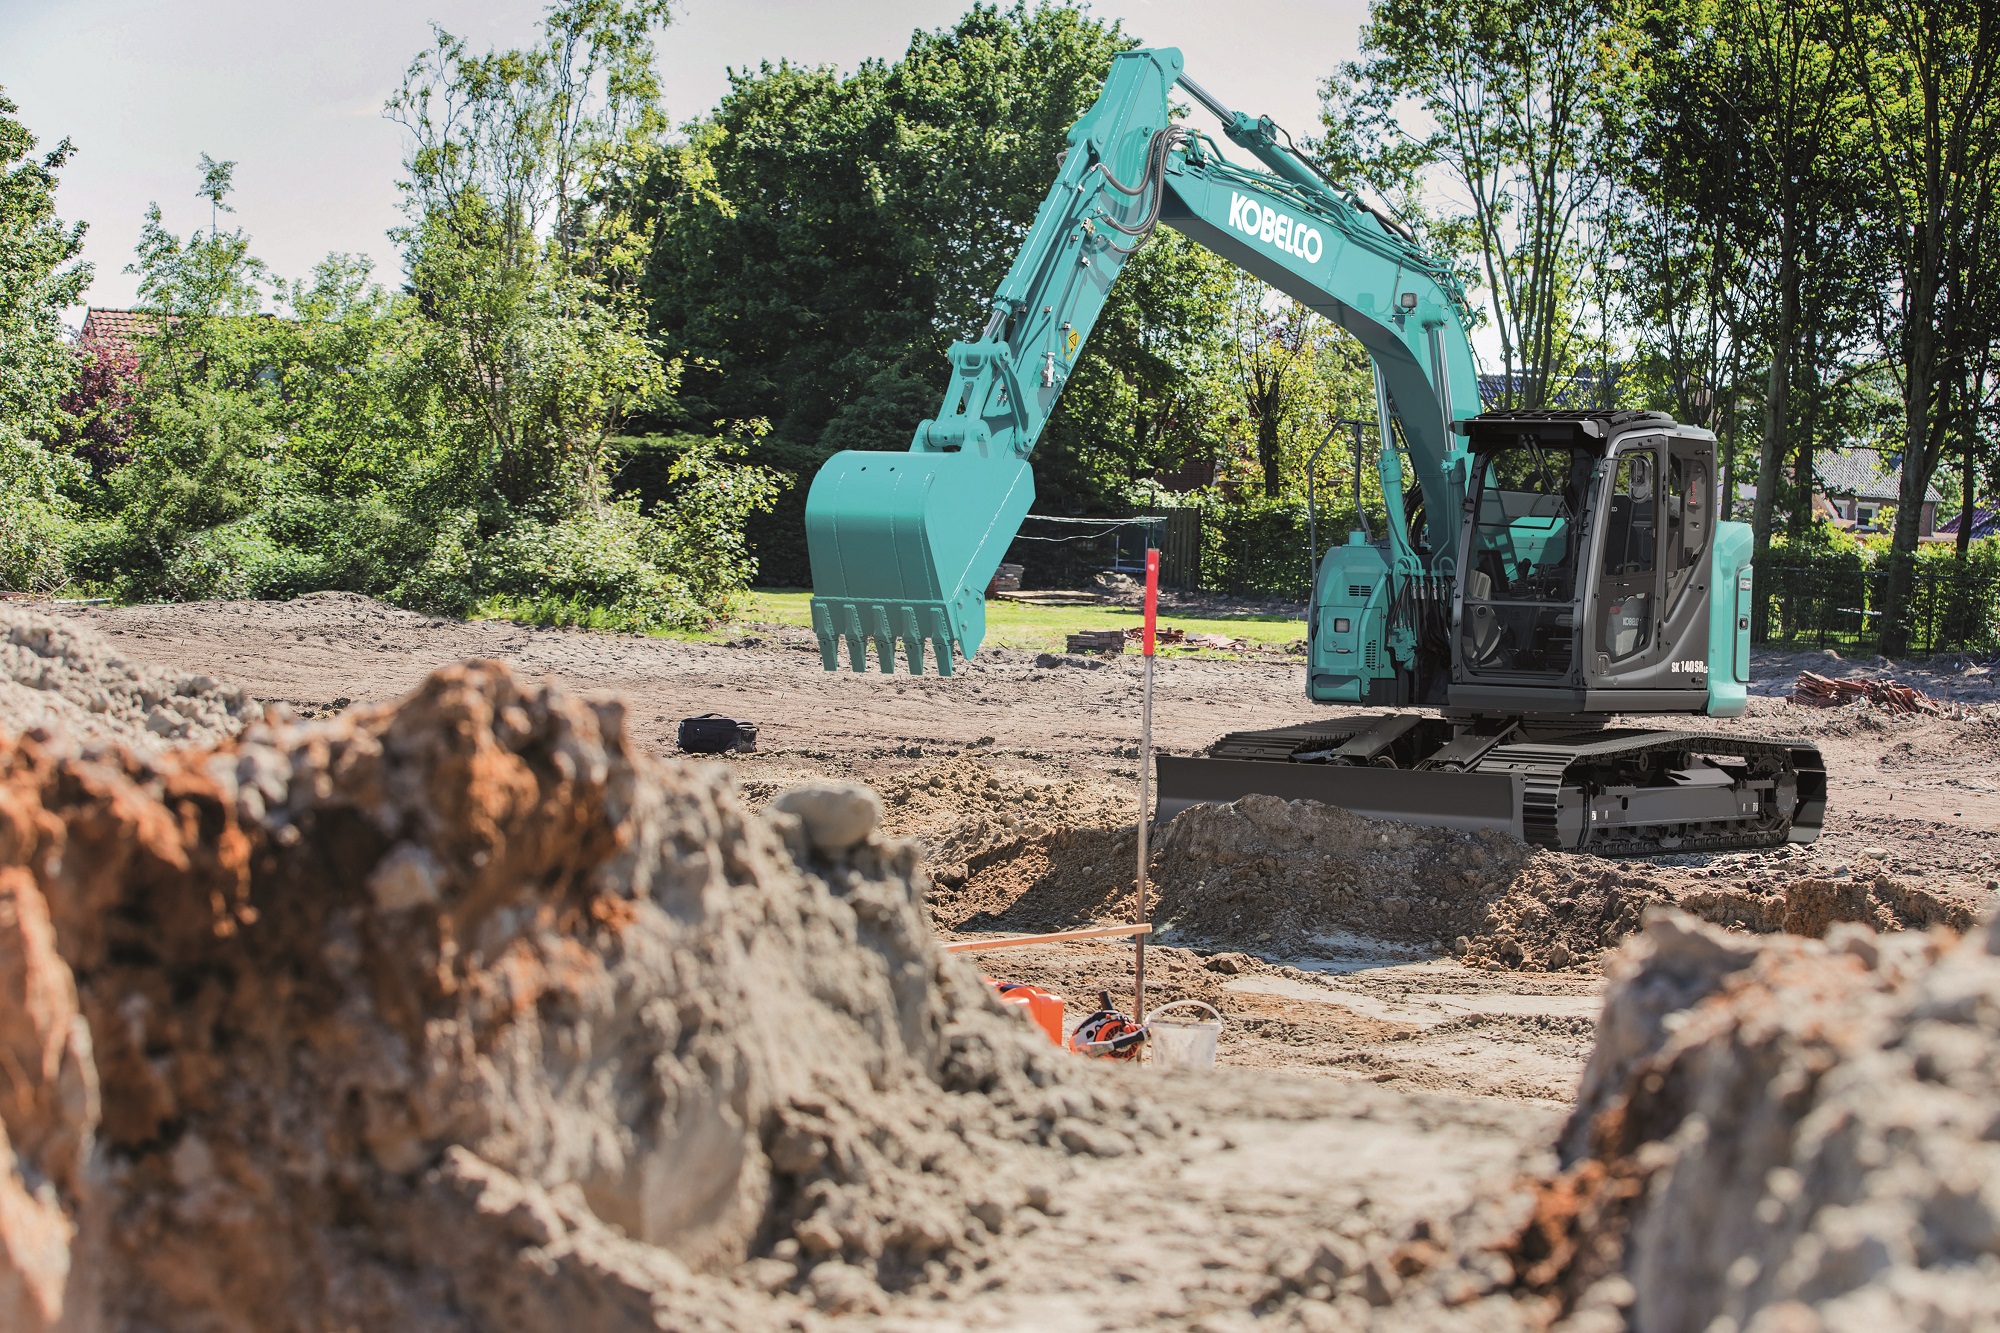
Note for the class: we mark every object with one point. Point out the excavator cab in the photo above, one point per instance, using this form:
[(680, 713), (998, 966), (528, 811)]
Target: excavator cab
[(1587, 545)]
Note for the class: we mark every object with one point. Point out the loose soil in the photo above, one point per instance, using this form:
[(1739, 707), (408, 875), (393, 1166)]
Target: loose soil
[(1409, 1012), (1020, 782)]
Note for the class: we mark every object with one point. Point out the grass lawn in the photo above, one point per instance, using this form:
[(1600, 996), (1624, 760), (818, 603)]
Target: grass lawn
[(1044, 628)]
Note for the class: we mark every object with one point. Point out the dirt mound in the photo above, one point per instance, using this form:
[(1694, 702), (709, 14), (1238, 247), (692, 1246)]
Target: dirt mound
[(1563, 910), (1265, 870), (962, 808), (1772, 1134), (1969, 733), (464, 1014), (993, 836), (1269, 873), (1790, 1130), (56, 676)]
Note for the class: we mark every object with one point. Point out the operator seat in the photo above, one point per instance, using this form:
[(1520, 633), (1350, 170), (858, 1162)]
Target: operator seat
[(1483, 629)]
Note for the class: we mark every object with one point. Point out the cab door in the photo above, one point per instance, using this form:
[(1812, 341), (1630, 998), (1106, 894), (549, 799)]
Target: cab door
[(1626, 615)]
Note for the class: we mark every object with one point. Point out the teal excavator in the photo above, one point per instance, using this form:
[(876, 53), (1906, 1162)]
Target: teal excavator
[(1556, 573)]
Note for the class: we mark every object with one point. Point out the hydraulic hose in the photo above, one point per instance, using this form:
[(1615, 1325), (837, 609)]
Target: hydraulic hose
[(1154, 177)]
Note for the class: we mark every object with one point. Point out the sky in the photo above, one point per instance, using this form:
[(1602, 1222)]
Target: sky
[(293, 92)]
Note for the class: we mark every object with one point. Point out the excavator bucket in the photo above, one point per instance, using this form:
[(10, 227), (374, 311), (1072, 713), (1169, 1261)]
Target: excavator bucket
[(903, 546)]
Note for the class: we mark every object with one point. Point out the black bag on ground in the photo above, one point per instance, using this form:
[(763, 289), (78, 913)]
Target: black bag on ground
[(712, 733)]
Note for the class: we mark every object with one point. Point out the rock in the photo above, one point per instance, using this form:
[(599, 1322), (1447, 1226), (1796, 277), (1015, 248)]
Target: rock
[(1083, 1137), (837, 815), (407, 877), (991, 1213), (839, 1288), (1380, 1283), (770, 1274)]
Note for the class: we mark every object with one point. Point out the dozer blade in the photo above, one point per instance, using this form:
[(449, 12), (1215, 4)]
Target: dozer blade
[(903, 546), (1410, 796)]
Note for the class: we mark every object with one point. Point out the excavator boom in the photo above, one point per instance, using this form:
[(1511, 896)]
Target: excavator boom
[(904, 545)]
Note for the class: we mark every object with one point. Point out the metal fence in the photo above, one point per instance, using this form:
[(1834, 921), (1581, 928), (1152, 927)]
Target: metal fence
[(1064, 552), (1954, 606)]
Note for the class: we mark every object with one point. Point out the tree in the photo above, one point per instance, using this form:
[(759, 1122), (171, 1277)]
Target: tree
[(820, 240), (39, 279), (203, 424), (536, 359), (1686, 231), (1294, 374), (97, 411), (1148, 401), (1796, 166), (1511, 96), (1927, 72)]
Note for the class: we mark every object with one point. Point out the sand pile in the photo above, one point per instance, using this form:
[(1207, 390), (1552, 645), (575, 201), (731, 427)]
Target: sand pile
[(56, 676), (1787, 1134), (1773, 1134), (464, 1014)]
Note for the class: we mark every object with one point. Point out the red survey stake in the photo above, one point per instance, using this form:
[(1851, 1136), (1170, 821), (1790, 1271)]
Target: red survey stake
[(1152, 595)]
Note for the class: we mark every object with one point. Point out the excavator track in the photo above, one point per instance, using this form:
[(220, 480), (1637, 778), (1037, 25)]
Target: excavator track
[(1594, 794), (1614, 792)]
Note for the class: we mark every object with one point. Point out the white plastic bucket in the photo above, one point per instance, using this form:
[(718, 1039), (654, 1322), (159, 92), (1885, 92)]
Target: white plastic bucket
[(1182, 1043)]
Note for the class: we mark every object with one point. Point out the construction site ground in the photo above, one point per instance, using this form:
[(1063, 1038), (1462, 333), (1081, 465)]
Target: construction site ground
[(1367, 1076)]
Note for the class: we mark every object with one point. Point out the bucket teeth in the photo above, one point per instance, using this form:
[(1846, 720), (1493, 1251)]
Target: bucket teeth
[(857, 641), (885, 639), (859, 627)]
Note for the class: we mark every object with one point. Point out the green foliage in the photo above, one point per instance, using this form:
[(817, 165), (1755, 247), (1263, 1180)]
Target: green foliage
[(819, 240), (1770, 220), (38, 522), (448, 448), (38, 280), (1830, 588), (616, 566), (1257, 547), (531, 347), (531, 369), (1153, 388)]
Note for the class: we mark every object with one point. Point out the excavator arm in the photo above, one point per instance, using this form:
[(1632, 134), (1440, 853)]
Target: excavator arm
[(903, 545)]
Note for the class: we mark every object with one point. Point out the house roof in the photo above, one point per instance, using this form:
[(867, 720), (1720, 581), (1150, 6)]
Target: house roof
[(1865, 474), (1985, 523), (119, 326)]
